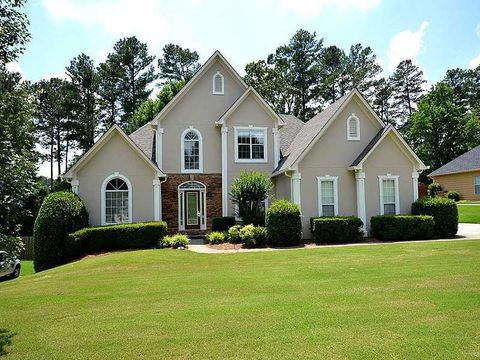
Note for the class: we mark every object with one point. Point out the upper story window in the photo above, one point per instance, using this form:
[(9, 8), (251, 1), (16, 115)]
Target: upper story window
[(117, 204), (353, 128), (218, 84), (250, 144), (477, 185), (192, 152), (389, 195), (327, 195)]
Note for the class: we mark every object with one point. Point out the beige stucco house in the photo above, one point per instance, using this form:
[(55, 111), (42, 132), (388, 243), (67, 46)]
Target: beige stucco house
[(179, 167)]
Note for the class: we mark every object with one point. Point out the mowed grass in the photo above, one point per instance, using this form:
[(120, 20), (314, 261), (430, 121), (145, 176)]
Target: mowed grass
[(413, 301), (469, 213)]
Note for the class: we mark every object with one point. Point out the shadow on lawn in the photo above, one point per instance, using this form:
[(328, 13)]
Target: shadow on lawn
[(6, 337)]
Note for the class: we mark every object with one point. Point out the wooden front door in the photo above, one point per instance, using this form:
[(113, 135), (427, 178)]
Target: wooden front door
[(192, 210)]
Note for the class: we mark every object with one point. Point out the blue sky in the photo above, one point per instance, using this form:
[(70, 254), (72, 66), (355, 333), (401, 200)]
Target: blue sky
[(437, 35)]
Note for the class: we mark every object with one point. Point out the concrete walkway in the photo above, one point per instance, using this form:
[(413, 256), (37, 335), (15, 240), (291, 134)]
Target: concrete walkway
[(465, 232)]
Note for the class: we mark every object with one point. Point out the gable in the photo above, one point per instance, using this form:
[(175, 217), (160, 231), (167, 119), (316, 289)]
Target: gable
[(388, 155)]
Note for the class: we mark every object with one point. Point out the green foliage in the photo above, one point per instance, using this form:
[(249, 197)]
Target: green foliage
[(14, 33), (402, 227), (283, 223), (434, 189), (248, 192), (453, 195), (444, 212), (178, 64), (223, 223), (60, 214), (98, 239), (13, 245), (336, 230), (175, 241), (233, 234), (110, 76), (32, 206), (216, 237), (253, 236)]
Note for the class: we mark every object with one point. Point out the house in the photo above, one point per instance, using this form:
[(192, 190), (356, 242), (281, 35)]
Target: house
[(180, 166), (461, 174)]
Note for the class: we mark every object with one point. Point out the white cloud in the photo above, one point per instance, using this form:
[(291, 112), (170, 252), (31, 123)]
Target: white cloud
[(406, 44), (117, 17), (474, 62), (312, 8), (15, 66)]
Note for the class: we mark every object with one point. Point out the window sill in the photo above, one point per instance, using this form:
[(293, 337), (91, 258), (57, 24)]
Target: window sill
[(251, 161)]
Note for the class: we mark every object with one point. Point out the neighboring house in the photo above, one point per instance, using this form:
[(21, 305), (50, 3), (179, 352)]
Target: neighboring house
[(180, 166), (461, 174)]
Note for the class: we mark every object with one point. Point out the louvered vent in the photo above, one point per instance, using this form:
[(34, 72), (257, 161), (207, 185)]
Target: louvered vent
[(218, 83)]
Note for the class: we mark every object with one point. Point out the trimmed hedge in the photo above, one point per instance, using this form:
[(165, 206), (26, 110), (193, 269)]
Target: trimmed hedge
[(402, 227), (99, 239), (60, 214), (283, 223), (216, 237), (223, 223), (444, 212), (253, 236), (336, 229)]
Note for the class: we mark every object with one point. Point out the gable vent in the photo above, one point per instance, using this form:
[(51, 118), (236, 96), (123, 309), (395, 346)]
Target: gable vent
[(218, 84), (353, 128)]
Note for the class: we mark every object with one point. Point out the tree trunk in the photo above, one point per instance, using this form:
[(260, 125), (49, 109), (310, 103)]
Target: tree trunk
[(51, 161), (59, 151)]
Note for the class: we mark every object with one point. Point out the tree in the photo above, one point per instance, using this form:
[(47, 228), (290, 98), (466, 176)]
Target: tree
[(466, 86), (138, 73), (14, 33), (109, 91), (332, 81), (178, 64), (382, 100), (406, 82)]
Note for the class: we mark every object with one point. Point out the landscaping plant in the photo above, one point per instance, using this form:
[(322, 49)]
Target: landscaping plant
[(175, 241), (402, 227), (444, 212), (283, 223), (337, 230), (216, 237)]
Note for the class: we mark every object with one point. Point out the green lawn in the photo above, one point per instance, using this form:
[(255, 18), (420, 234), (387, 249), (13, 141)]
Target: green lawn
[(27, 268), (416, 300), (469, 214)]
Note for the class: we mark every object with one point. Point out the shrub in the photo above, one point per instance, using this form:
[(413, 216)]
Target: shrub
[(216, 237), (283, 223), (99, 239), (337, 230), (233, 234), (253, 236), (175, 241), (444, 212), (434, 189), (248, 192), (13, 245), (401, 227), (60, 214), (222, 223), (453, 195)]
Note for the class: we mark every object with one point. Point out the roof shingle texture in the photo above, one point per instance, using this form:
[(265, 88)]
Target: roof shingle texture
[(466, 162), (288, 132), (144, 138)]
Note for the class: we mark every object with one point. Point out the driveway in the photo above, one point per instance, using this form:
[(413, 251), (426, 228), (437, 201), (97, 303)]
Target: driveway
[(470, 231)]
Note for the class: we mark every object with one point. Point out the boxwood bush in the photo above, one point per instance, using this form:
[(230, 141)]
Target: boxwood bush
[(336, 229), (444, 212), (283, 223), (253, 236), (402, 227), (233, 234), (222, 223), (216, 237), (61, 213), (99, 239)]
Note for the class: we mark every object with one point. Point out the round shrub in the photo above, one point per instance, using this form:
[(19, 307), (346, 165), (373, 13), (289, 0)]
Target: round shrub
[(61, 213), (175, 241), (453, 195), (444, 212), (233, 235), (283, 223), (253, 236), (434, 189), (215, 237)]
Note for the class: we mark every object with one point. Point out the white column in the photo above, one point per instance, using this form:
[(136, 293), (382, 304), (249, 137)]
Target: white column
[(156, 200), (224, 171), (296, 179), (415, 185), (361, 209), (75, 183), (276, 147), (158, 147)]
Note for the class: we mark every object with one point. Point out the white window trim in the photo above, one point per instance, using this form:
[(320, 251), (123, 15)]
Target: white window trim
[(335, 193), (213, 84), (200, 152), (103, 197), (265, 144), (397, 192), (353, 138), (203, 205)]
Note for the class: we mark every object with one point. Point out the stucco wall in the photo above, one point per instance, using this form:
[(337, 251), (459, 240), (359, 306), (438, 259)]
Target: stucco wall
[(117, 156), (283, 187), (461, 182)]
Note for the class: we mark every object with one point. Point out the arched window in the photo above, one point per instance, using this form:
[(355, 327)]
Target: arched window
[(192, 151), (218, 84), (353, 128), (116, 200)]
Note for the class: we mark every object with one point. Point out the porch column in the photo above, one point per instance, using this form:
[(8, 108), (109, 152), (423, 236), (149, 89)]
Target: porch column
[(276, 147), (75, 183), (224, 171), (157, 202), (415, 185), (361, 209), (158, 147), (296, 178)]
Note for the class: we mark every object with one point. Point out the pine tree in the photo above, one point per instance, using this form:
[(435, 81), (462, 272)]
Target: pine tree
[(178, 64), (109, 75), (383, 99), (14, 33), (332, 81), (362, 70)]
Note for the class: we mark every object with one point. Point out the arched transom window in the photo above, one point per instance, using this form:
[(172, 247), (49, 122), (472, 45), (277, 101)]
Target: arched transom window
[(218, 84), (192, 151), (353, 128), (116, 198)]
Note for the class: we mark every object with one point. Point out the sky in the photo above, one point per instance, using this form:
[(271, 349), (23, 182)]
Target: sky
[(436, 35)]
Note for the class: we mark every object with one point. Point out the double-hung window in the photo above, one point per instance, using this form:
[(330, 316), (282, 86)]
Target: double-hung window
[(477, 185), (327, 195), (389, 195), (250, 144)]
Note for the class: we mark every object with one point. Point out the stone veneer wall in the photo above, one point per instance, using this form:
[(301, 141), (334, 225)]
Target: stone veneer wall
[(213, 183)]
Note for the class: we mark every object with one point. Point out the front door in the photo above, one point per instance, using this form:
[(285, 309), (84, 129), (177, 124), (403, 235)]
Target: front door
[(192, 210)]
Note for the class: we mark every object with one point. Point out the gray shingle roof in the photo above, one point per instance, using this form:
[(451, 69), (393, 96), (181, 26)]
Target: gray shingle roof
[(144, 138), (466, 162), (289, 131), (370, 145)]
